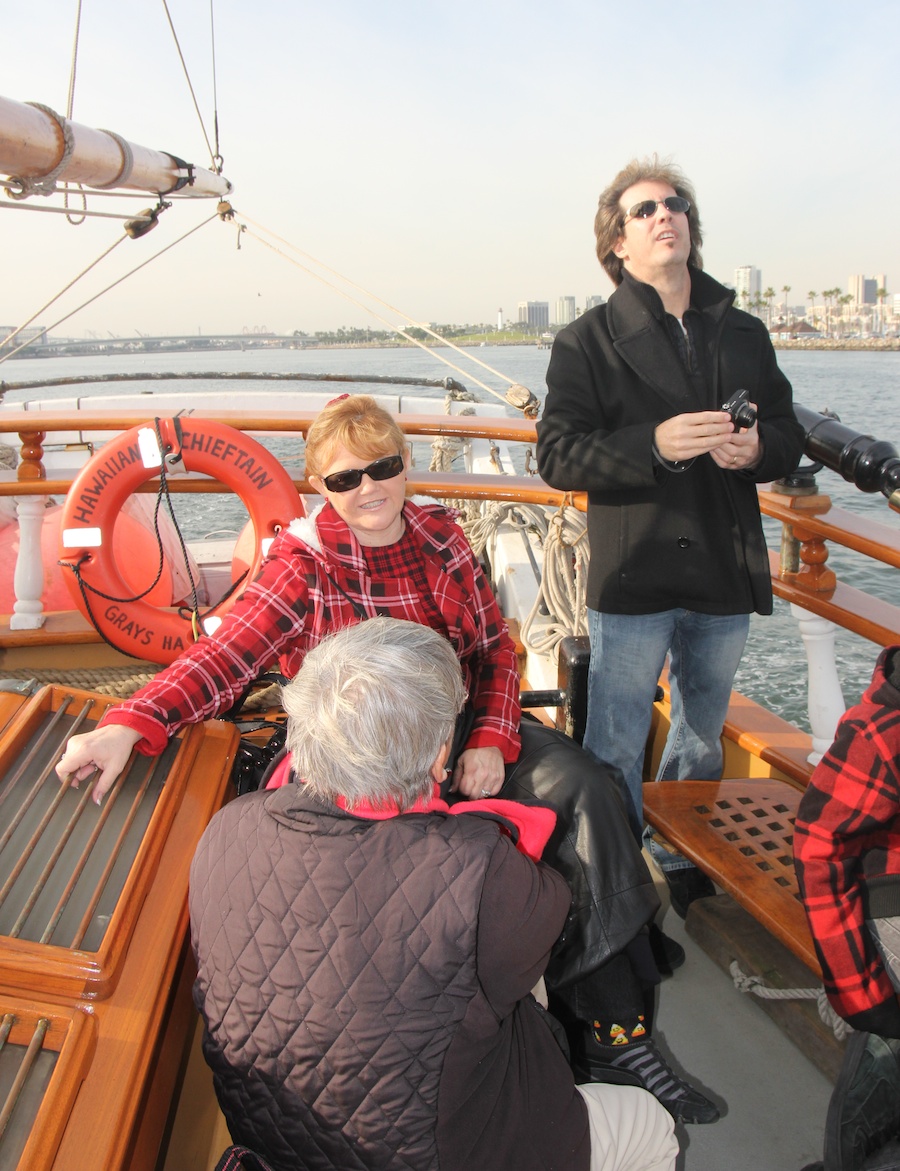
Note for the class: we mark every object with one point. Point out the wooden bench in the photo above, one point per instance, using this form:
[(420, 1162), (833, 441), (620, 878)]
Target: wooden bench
[(740, 833)]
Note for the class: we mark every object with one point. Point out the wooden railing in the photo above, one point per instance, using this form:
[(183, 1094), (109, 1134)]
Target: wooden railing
[(800, 571)]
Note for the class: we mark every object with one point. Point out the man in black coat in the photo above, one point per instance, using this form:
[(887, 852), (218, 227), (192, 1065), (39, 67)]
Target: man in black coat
[(634, 416)]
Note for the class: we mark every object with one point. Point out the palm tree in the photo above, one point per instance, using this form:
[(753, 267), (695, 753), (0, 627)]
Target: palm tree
[(769, 295), (843, 301), (881, 294), (812, 294), (787, 313)]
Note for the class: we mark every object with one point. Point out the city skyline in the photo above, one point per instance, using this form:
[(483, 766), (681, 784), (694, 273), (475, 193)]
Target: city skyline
[(417, 150)]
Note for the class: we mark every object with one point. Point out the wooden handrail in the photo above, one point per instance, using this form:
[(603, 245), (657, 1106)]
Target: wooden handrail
[(498, 427), (812, 519)]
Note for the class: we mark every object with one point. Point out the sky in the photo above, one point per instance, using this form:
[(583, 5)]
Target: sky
[(448, 157)]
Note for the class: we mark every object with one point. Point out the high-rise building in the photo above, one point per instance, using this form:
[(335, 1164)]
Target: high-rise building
[(747, 285), (592, 302), (864, 290), (565, 310), (534, 313)]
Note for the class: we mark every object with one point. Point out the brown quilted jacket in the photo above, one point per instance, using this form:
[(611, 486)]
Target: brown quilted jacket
[(364, 986)]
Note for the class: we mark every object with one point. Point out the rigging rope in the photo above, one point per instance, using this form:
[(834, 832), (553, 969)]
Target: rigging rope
[(187, 75), (518, 392), (562, 595), (103, 215), (217, 157), (65, 289), (758, 987), (377, 316), (84, 304), (71, 100)]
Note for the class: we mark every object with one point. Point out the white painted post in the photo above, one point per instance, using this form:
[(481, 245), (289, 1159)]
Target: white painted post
[(28, 582), (824, 695)]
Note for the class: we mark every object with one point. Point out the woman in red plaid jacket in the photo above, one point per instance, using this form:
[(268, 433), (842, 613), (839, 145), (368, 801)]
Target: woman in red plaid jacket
[(847, 854), (369, 551)]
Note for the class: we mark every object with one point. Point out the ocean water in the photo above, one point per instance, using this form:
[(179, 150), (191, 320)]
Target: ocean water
[(863, 388)]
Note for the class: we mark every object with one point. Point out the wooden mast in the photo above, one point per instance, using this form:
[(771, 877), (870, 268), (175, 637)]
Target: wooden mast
[(34, 142)]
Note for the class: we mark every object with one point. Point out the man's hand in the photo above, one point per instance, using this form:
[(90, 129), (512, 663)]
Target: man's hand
[(742, 449), (479, 773), (684, 437), (107, 749)]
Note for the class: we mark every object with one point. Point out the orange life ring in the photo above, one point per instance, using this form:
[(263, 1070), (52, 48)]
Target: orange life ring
[(109, 478)]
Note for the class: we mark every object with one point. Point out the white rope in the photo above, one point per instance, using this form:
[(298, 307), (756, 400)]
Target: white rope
[(563, 589), (66, 211), (758, 987), (90, 300), (212, 153), (367, 309), (21, 188), (517, 395)]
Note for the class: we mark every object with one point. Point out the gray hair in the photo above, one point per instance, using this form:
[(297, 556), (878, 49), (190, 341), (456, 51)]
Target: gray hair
[(369, 710)]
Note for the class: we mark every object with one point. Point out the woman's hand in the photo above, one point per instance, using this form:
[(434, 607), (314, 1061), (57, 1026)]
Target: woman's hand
[(107, 749), (479, 773)]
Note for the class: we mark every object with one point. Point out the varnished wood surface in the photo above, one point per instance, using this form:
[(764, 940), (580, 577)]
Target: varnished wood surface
[(740, 833), (111, 1109)]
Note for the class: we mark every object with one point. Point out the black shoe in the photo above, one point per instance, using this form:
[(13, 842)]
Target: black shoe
[(668, 954), (687, 885), (864, 1111), (640, 1063)]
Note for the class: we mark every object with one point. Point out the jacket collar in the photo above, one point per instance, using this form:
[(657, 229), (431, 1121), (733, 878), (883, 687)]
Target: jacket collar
[(329, 540), (636, 321)]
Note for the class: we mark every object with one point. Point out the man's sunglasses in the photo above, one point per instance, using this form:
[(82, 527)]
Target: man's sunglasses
[(382, 469), (647, 207)]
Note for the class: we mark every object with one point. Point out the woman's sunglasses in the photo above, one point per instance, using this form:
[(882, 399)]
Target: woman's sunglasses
[(382, 469), (647, 207)]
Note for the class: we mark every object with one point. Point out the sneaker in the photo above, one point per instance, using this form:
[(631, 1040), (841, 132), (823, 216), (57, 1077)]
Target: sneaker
[(685, 886), (640, 1063), (668, 954), (864, 1111)]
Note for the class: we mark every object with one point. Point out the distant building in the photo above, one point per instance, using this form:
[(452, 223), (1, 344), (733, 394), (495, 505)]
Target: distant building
[(864, 290), (592, 302), (34, 334), (534, 313), (499, 319), (565, 310), (747, 285)]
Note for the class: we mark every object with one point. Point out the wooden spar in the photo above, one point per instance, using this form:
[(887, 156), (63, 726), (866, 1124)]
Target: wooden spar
[(32, 145)]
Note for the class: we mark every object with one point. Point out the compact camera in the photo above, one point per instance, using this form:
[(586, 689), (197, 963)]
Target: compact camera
[(743, 415)]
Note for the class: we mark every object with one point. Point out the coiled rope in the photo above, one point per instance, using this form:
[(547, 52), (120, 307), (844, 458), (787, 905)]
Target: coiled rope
[(563, 589), (760, 988)]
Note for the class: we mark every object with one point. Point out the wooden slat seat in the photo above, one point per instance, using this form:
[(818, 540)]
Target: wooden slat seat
[(740, 833)]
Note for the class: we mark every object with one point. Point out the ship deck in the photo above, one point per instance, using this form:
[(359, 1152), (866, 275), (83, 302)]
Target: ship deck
[(772, 1098)]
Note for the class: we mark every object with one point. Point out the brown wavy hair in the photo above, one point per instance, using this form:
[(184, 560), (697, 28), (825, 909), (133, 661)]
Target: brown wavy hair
[(609, 220)]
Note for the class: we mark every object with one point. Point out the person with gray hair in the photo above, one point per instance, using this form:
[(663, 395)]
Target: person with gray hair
[(365, 951)]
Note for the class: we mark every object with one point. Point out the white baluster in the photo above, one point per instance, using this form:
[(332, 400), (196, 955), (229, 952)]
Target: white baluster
[(824, 695), (28, 612)]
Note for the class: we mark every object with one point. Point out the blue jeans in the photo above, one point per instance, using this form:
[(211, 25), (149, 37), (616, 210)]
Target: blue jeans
[(628, 652)]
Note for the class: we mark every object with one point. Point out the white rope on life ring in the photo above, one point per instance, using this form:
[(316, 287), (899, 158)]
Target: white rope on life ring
[(112, 475)]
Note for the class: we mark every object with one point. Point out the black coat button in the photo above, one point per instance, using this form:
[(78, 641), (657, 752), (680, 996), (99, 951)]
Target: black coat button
[(683, 542)]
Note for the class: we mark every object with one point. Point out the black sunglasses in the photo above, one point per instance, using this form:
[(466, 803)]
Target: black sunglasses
[(382, 469), (647, 207)]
